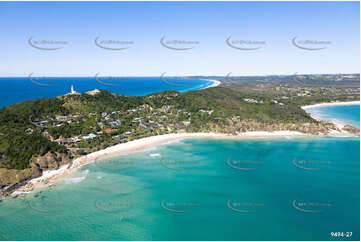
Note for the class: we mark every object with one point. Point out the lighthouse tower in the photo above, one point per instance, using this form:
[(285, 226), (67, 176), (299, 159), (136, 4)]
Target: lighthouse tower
[(72, 90)]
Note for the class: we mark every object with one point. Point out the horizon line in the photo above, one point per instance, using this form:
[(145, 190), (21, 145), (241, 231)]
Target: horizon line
[(293, 74)]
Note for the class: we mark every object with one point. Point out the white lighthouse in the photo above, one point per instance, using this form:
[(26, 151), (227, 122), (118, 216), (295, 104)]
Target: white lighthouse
[(72, 91)]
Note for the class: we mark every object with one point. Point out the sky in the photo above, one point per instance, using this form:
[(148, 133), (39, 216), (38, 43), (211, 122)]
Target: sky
[(202, 26)]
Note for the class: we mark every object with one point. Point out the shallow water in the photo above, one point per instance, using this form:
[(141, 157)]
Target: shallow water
[(344, 114), (284, 188), (201, 190)]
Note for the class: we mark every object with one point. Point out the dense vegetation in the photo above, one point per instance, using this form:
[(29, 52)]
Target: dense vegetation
[(24, 136), (16, 146)]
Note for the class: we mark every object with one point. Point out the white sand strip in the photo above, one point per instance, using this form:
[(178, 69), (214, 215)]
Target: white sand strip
[(330, 104), (338, 124), (215, 83)]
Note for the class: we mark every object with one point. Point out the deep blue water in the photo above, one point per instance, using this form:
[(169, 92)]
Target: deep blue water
[(14, 90)]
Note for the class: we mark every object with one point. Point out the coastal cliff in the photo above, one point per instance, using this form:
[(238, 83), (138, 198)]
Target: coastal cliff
[(10, 179)]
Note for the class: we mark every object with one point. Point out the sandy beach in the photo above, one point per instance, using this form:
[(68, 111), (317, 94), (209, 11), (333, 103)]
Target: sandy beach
[(52, 176), (330, 104), (338, 124), (215, 83)]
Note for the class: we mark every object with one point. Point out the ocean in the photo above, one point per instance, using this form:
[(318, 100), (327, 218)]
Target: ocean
[(287, 188), (14, 90), (343, 114)]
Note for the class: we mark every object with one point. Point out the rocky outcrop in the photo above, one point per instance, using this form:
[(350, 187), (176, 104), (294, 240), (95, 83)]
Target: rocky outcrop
[(351, 129), (10, 179), (50, 161), (241, 126)]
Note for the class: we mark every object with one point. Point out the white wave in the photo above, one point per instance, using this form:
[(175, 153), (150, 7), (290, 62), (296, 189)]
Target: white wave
[(176, 141), (75, 180), (154, 155), (343, 136), (85, 172), (19, 193)]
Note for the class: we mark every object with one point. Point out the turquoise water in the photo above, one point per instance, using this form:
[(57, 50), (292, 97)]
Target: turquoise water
[(202, 189), (345, 114)]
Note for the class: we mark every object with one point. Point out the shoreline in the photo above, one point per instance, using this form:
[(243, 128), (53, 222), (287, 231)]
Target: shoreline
[(215, 83), (339, 124), (330, 104), (49, 177)]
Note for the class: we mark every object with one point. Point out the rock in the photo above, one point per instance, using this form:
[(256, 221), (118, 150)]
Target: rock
[(51, 161), (10, 179), (351, 129)]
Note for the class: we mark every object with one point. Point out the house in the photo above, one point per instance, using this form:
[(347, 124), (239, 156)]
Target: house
[(63, 118), (64, 141), (93, 92), (115, 123), (101, 125), (207, 111), (109, 130), (89, 136), (250, 100), (186, 123)]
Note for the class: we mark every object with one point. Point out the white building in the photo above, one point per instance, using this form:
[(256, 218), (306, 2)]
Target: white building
[(72, 90)]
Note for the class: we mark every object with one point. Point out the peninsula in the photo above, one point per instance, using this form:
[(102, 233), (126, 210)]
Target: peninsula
[(49, 134)]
